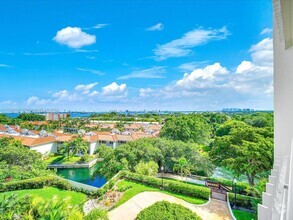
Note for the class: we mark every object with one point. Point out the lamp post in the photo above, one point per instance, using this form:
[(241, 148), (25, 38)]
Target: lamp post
[(235, 181), (162, 170)]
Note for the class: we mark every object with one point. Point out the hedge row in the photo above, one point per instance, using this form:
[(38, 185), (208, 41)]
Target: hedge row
[(240, 186), (35, 183), (169, 185), (243, 201)]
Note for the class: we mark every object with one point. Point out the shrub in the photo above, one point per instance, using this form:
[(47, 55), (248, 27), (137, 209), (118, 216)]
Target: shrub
[(35, 183), (166, 210), (97, 214), (243, 201), (84, 158), (169, 185)]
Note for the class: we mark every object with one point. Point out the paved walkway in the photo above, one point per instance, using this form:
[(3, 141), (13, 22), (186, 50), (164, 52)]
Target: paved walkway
[(214, 210)]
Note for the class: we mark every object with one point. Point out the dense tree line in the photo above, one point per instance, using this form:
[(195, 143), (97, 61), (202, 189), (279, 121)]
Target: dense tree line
[(241, 142), (163, 152)]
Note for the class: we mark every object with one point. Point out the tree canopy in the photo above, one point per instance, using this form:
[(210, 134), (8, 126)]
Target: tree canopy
[(19, 162), (187, 128), (243, 148), (161, 151)]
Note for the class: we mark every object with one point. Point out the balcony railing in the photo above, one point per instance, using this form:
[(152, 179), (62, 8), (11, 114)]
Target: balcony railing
[(276, 199)]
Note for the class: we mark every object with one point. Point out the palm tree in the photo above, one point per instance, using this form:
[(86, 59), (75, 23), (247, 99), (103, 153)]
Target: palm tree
[(65, 148), (79, 146), (183, 166)]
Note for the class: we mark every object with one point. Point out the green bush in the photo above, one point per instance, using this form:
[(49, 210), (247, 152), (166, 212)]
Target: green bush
[(166, 210), (243, 201), (35, 183), (97, 214), (169, 185)]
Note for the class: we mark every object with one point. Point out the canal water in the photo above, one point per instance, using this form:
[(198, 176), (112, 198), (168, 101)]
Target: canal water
[(83, 175)]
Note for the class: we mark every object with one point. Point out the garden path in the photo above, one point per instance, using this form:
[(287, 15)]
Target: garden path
[(213, 210)]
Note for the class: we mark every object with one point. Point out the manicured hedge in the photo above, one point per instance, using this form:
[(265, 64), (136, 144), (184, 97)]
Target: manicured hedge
[(35, 183), (240, 186), (166, 210), (243, 201), (169, 185)]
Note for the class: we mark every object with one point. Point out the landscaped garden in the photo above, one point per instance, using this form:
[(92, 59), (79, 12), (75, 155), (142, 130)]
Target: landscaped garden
[(205, 142)]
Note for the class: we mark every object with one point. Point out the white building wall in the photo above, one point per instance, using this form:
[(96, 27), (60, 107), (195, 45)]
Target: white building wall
[(283, 95), (46, 148), (93, 146)]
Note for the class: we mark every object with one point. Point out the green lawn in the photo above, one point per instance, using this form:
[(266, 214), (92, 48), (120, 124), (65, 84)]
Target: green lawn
[(137, 188), (77, 198), (242, 215)]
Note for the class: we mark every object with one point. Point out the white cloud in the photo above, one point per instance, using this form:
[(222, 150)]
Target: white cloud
[(266, 31), (98, 26), (201, 78), (183, 46), (190, 66), (61, 94), (145, 92), (85, 88), (245, 66), (74, 37), (5, 65), (151, 73), (94, 93), (156, 27), (97, 72), (34, 100), (114, 90), (8, 103), (262, 52)]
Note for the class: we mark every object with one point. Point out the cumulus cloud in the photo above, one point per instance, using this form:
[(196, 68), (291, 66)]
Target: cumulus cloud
[(202, 77), (156, 27), (262, 52), (183, 46), (266, 31), (145, 92), (114, 90), (213, 85), (85, 88), (74, 37), (94, 93), (150, 73), (34, 100)]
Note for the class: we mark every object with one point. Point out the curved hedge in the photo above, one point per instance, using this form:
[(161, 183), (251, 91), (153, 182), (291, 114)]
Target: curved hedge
[(169, 185), (165, 210), (35, 183)]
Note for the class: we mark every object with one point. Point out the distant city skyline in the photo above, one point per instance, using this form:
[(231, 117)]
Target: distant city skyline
[(136, 55)]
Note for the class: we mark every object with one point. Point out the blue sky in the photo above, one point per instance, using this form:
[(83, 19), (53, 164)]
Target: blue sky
[(136, 55)]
